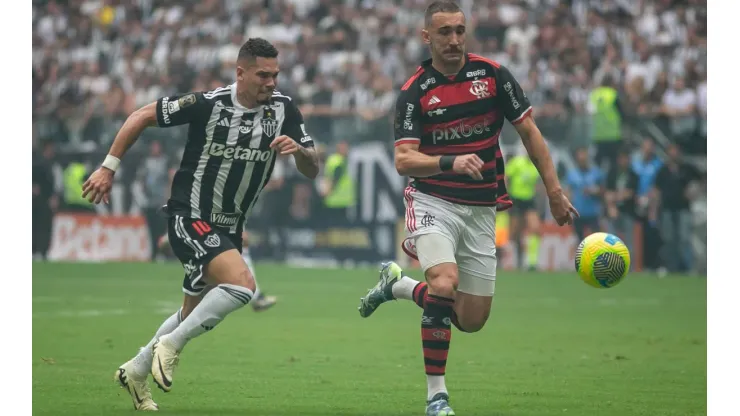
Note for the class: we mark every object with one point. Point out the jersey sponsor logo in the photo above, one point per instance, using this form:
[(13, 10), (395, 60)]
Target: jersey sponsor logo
[(480, 89), (238, 152), (510, 90), (224, 219), (437, 112), (427, 83), (459, 131), (166, 110), (306, 138), (407, 123), (173, 106), (478, 73), (245, 127)]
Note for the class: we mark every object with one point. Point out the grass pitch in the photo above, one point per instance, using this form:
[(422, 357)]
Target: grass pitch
[(553, 346)]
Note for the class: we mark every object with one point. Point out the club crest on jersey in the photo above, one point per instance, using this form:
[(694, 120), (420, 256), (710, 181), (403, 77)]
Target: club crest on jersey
[(480, 89), (269, 124), (212, 240)]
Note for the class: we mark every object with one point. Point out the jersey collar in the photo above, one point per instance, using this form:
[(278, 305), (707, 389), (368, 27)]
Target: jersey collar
[(239, 106)]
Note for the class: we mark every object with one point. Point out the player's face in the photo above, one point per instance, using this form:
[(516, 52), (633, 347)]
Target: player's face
[(446, 37), (259, 79)]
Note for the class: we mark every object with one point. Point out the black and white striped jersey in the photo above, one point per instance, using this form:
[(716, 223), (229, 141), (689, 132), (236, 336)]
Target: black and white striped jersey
[(227, 159)]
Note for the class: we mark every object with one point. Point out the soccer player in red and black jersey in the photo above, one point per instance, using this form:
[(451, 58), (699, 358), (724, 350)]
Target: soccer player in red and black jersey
[(448, 119)]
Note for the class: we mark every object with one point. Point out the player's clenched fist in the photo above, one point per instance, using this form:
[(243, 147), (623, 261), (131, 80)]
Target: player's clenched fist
[(469, 165), (284, 145), (97, 187)]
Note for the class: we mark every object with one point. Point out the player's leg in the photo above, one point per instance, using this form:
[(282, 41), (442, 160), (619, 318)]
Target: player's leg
[(476, 262), (260, 301), (437, 259), (132, 374), (532, 233), (212, 259)]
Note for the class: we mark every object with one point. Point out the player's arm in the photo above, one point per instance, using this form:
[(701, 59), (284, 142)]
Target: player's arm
[(518, 111), (298, 142), (409, 160), (165, 112)]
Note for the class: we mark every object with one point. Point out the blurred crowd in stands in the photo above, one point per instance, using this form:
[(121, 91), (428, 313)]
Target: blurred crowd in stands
[(95, 61)]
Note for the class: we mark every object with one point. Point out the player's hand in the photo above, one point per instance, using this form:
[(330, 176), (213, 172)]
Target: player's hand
[(97, 187), (561, 208), (284, 145), (469, 165)]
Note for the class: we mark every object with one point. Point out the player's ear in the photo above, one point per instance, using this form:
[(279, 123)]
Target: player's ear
[(240, 73), (425, 36)]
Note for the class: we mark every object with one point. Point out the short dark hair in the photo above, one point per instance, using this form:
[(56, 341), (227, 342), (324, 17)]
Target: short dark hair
[(439, 6), (257, 47)]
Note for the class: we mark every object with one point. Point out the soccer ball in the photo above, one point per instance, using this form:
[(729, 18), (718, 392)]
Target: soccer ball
[(602, 260)]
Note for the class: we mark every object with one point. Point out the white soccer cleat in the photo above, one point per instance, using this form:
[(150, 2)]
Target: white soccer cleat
[(263, 303), (164, 361), (136, 386)]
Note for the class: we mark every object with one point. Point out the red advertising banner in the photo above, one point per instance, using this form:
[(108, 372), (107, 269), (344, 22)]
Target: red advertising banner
[(92, 237)]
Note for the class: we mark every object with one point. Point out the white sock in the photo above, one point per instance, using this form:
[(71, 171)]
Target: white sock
[(216, 304), (248, 259), (143, 360), (435, 384), (404, 288)]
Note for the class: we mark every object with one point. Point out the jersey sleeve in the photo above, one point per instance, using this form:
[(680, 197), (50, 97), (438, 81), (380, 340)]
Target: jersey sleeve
[(512, 98), (294, 127), (181, 109), (407, 123)]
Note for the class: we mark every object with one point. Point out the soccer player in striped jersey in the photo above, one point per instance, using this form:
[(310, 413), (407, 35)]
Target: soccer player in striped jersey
[(448, 119), (235, 134)]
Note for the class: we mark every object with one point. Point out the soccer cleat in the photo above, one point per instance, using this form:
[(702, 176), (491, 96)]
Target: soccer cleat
[(263, 303), (136, 386), (164, 361), (439, 406), (390, 273)]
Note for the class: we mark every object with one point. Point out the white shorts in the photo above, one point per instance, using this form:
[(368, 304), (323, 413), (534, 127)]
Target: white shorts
[(439, 231)]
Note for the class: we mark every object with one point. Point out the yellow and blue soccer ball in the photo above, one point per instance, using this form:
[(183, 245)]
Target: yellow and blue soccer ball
[(602, 260)]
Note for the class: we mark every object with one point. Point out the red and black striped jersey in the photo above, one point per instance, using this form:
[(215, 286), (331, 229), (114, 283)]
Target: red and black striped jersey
[(458, 115)]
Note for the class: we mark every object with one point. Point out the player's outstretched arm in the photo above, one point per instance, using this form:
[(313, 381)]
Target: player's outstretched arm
[(98, 185), (518, 111), (165, 112)]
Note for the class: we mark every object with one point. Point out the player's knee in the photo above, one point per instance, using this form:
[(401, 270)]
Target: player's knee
[(245, 279), (443, 280), (475, 322)]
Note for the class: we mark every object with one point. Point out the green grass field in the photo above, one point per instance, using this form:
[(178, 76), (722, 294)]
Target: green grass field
[(553, 346)]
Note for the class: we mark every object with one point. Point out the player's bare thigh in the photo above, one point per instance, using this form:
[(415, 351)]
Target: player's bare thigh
[(227, 267), (476, 259)]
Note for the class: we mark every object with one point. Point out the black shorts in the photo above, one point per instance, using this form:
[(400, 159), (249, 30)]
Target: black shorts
[(196, 242), (521, 206)]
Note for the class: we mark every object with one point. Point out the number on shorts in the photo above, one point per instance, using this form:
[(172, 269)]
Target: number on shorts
[(201, 227)]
